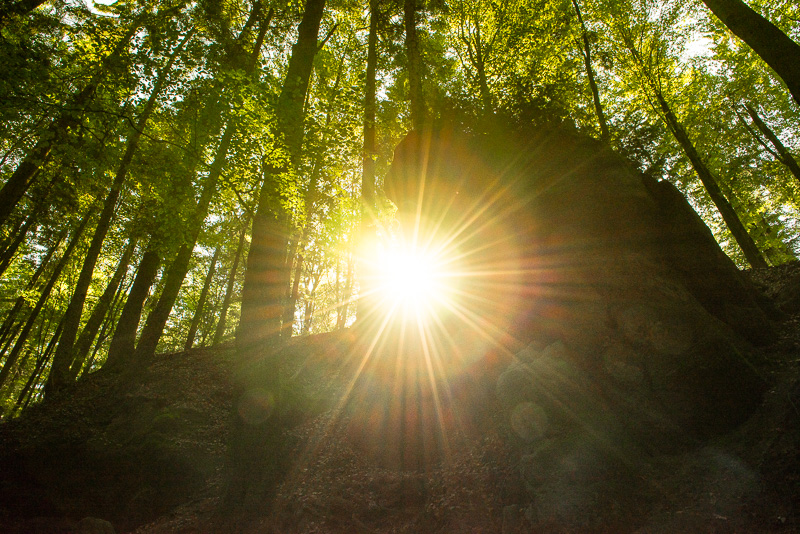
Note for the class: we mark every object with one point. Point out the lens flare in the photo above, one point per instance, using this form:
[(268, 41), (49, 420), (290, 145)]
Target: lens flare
[(411, 278)]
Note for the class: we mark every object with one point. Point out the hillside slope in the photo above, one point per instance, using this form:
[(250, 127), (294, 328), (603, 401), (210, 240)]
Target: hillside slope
[(147, 452)]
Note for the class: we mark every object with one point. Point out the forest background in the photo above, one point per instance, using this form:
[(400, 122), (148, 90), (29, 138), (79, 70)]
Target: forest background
[(176, 171)]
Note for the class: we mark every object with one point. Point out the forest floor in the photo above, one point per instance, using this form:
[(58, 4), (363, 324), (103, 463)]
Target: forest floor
[(149, 454)]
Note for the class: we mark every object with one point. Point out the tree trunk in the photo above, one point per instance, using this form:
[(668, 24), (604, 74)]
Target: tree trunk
[(6, 330), (783, 154), (254, 446), (308, 314), (8, 254), (734, 224), (289, 110), (123, 343), (777, 49), (368, 216), (414, 67), (62, 263), (106, 328), (266, 276), (65, 355), (341, 318), (173, 278), (201, 303), (480, 66), (41, 361), (84, 343), (7, 240), (296, 256), (226, 301), (291, 308), (587, 59)]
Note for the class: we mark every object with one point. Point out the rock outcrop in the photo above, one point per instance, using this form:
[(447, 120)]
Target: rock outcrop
[(632, 333)]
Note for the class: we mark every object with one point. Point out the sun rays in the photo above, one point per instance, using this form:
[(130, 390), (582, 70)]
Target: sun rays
[(438, 295)]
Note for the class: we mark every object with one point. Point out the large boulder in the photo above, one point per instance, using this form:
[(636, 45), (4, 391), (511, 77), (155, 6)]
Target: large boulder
[(564, 245)]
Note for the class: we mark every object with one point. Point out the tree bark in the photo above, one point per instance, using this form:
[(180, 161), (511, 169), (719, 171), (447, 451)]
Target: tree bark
[(732, 221), (587, 59), (123, 343), (480, 66), (783, 154), (173, 278), (368, 217), (84, 343), (414, 66), (41, 361), (289, 110), (201, 303), (107, 326), (254, 447), (19, 237), (734, 224), (226, 301), (48, 288), (296, 256), (341, 318), (777, 49), (266, 276)]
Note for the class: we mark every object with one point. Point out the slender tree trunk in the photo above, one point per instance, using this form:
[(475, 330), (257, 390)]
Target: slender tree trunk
[(123, 344), (587, 59), (11, 236), (19, 237), (732, 221), (480, 66), (62, 263), (62, 360), (777, 49), (295, 294), (84, 343), (56, 132), (296, 256), (106, 328), (414, 66), (7, 328), (783, 154), (226, 301), (201, 303), (308, 313), (734, 224), (41, 361), (290, 111), (368, 218), (348, 292)]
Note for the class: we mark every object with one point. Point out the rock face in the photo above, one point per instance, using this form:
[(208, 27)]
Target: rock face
[(635, 321), (630, 333)]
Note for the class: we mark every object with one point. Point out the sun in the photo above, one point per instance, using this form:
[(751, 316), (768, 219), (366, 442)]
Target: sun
[(411, 278)]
